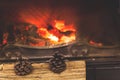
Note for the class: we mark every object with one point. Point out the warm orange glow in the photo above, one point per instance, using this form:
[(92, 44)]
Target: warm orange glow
[(67, 39), (60, 25), (53, 38), (59, 33), (41, 43), (95, 43), (5, 35), (53, 33)]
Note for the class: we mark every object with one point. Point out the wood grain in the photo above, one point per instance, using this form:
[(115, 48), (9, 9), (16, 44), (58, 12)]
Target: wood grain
[(76, 70)]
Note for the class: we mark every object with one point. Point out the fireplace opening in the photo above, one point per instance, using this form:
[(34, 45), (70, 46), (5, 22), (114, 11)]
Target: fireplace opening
[(53, 22), (50, 34), (37, 30)]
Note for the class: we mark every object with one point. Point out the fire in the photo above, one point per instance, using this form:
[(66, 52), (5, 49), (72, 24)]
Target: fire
[(57, 32), (60, 25), (53, 38), (53, 26), (95, 43), (46, 34), (54, 33)]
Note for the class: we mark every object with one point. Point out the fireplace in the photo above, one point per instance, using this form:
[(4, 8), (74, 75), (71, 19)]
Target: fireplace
[(78, 29), (59, 22), (71, 27)]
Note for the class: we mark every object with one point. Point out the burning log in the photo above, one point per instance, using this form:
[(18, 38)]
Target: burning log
[(26, 34), (33, 38), (49, 27), (67, 33), (41, 35)]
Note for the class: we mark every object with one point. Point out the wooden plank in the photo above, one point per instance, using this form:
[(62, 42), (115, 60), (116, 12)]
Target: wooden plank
[(76, 70)]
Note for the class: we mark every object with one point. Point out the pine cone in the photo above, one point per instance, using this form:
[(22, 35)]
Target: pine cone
[(23, 68), (57, 63)]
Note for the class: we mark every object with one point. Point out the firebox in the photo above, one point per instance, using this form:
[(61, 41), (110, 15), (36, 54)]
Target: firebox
[(78, 29)]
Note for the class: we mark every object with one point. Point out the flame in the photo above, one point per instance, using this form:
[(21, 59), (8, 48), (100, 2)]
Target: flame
[(49, 33), (60, 25), (53, 38), (62, 30), (67, 39), (59, 33)]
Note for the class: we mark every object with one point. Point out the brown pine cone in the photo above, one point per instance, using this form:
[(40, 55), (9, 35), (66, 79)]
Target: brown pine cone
[(23, 68), (57, 64)]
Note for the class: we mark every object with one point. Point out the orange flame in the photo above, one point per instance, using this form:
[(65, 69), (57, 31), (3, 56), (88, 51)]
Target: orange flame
[(60, 25), (60, 33)]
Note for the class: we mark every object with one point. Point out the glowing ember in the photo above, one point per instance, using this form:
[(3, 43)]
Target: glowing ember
[(58, 32), (54, 33), (59, 25), (5, 35), (53, 38), (95, 43)]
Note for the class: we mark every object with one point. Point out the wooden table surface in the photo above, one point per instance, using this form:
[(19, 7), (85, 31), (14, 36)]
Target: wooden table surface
[(76, 70)]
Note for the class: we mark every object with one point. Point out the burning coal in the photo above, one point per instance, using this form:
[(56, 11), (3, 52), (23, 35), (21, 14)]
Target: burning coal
[(54, 33), (58, 32)]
